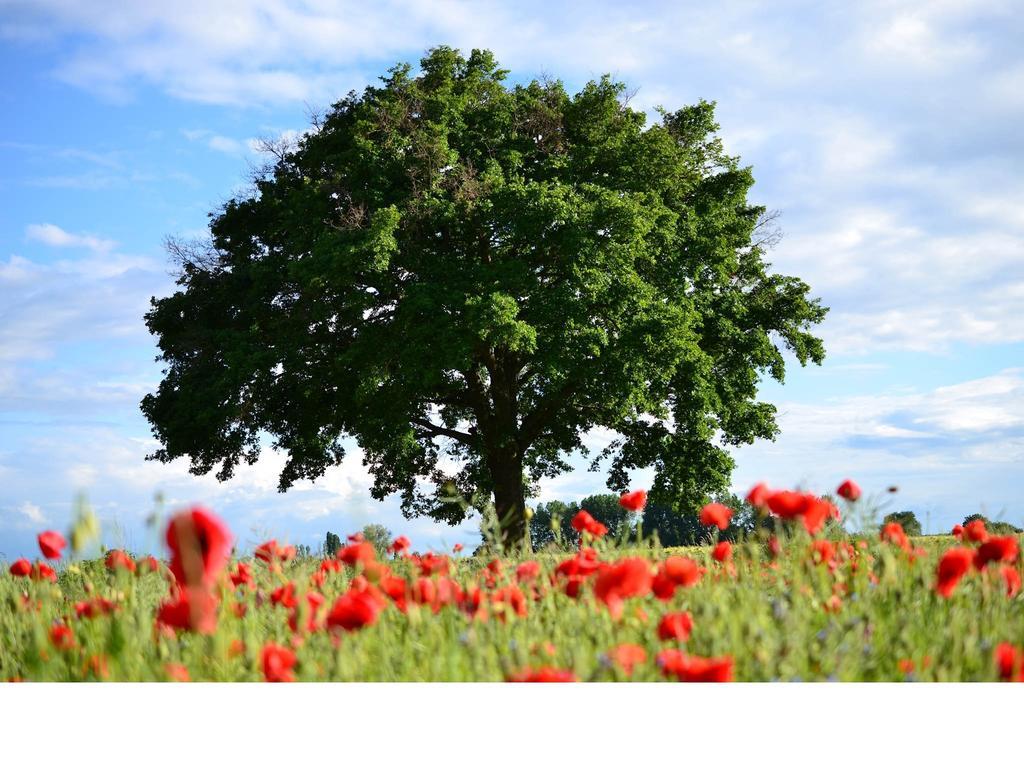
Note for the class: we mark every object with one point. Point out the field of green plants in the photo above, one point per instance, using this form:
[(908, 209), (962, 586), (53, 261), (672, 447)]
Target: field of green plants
[(796, 601)]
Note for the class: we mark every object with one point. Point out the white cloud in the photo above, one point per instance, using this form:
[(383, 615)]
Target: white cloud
[(32, 513), (51, 234)]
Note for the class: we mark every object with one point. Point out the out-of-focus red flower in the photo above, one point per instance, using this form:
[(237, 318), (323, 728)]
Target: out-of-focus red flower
[(21, 567), (716, 514), (177, 673), (98, 666), (278, 663), (998, 549), (894, 534), (50, 544), (97, 606), (906, 666), (192, 609), (958, 531), (975, 531), (314, 601), (694, 669), (722, 551), (675, 626), (457, 548), (627, 656), (634, 501), (823, 552), (758, 495), (574, 571), (62, 637), (357, 608), (629, 577), (429, 564), (542, 675), (148, 564), (119, 559), (267, 551), (676, 571), (284, 596), (399, 545), (527, 571), (810, 509), (816, 512), (243, 575), (1010, 662), (1011, 577), (583, 521), (849, 490), (774, 547), (42, 572), (200, 546), (509, 599), (952, 567), (357, 552)]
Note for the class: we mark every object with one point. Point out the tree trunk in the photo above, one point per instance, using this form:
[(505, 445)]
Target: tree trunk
[(510, 499)]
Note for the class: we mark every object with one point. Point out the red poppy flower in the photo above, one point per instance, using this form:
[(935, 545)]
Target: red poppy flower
[(528, 571), (1010, 662), (576, 570), (629, 577), (958, 531), (192, 609), (314, 600), (42, 572), (357, 552), (509, 599), (50, 544), (952, 567), (675, 626), (243, 575), (355, 609), (284, 596), (97, 606), (676, 571), (722, 551), (584, 521), (627, 656), (816, 512), (975, 531), (849, 490), (998, 549), (894, 534), (634, 501), (119, 559), (1011, 577), (694, 669), (758, 495), (20, 567), (823, 552), (543, 675), (148, 564), (62, 637), (200, 546), (716, 514), (457, 548), (786, 504), (177, 673), (399, 545), (429, 564), (278, 663), (267, 551)]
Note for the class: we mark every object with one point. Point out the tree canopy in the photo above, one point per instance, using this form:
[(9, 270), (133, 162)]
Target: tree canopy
[(457, 272)]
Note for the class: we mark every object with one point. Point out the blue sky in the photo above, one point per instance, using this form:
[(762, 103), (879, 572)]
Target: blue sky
[(886, 134)]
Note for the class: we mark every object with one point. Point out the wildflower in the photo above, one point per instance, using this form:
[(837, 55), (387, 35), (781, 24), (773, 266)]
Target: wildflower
[(278, 663), (722, 551), (716, 514), (98, 606), (629, 577), (50, 544), (62, 637), (694, 669), (118, 559), (177, 673), (20, 567), (758, 495), (399, 545), (192, 609), (98, 666), (358, 552), (355, 609), (999, 549), (634, 501), (576, 570), (1010, 663), (849, 490), (952, 567), (284, 596), (509, 598), (894, 534), (457, 548), (148, 564), (906, 666), (823, 552), (527, 571), (975, 531), (200, 546), (584, 521), (1011, 577), (243, 575), (429, 564), (42, 572), (675, 626), (542, 675), (958, 531), (627, 656), (676, 571)]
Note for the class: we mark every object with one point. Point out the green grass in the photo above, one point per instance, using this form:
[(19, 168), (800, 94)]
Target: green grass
[(774, 623)]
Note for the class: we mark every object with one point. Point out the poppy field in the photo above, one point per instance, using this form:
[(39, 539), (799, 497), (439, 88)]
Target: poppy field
[(800, 600)]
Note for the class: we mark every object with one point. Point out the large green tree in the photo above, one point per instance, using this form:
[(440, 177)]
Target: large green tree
[(450, 266)]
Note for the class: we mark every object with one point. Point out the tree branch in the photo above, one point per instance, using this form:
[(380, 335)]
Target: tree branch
[(436, 430)]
